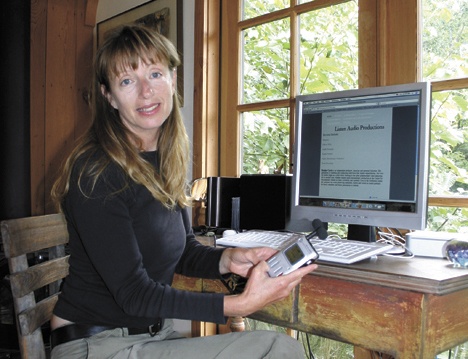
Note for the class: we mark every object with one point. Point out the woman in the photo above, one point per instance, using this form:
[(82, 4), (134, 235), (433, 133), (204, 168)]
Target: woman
[(123, 192)]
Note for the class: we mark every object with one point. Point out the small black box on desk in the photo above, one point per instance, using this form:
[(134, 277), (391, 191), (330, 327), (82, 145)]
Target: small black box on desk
[(219, 194), (264, 201)]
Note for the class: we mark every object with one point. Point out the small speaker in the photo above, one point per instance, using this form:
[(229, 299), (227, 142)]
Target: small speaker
[(264, 201), (219, 194), (361, 233)]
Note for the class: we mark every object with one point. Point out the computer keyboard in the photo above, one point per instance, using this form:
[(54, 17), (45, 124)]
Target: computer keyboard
[(330, 250), (256, 238), (347, 251)]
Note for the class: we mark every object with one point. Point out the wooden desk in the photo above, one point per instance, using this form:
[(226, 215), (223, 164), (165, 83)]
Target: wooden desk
[(408, 308)]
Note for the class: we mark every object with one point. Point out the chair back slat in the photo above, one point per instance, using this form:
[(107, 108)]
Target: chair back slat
[(38, 276), (35, 249), (31, 234), (33, 318)]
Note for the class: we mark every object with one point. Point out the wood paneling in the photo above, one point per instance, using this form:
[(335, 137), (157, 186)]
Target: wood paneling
[(367, 43), (61, 53), (84, 68), (90, 13), (229, 89), (60, 101), (205, 92), (398, 42)]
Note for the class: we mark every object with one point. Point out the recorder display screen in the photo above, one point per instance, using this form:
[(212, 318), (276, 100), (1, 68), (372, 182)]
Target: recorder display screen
[(294, 254)]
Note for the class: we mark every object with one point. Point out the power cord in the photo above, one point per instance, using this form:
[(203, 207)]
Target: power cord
[(306, 344), (388, 236)]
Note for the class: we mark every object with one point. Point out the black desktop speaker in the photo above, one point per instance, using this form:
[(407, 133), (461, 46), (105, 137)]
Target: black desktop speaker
[(264, 201), (219, 194)]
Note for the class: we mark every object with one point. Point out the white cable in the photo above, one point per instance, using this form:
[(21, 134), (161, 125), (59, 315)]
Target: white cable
[(395, 240)]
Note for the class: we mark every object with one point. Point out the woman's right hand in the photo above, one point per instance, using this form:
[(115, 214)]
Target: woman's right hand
[(262, 290)]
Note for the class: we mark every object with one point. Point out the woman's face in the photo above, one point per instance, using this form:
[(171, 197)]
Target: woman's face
[(144, 99)]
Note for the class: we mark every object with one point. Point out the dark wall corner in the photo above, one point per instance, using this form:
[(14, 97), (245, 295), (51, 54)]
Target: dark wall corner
[(15, 195)]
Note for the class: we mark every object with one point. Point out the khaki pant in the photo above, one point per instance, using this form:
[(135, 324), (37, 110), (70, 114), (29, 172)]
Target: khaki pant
[(117, 344)]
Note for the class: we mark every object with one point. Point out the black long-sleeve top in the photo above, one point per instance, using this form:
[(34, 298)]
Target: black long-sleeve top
[(125, 247)]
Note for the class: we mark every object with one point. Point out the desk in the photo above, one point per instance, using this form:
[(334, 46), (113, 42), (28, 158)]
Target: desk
[(408, 308)]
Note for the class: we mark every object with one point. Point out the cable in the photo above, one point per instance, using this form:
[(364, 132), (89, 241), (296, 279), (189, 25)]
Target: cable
[(396, 240), (311, 355), (333, 236)]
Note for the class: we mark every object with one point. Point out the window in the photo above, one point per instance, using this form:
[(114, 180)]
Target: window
[(311, 46), (305, 48), (325, 60), (444, 22)]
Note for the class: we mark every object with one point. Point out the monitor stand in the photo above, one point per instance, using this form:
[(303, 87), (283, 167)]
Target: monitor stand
[(361, 233)]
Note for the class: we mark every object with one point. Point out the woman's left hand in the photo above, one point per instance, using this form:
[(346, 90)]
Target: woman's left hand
[(241, 260)]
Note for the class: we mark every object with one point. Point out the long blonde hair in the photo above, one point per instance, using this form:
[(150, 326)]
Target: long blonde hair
[(123, 48)]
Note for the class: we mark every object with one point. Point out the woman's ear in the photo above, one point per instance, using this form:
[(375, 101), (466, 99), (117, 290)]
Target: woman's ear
[(108, 96)]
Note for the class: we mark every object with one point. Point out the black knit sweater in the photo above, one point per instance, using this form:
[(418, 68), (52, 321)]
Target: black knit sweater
[(125, 247)]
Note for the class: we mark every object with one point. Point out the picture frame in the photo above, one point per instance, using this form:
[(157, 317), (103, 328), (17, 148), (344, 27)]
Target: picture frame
[(164, 15)]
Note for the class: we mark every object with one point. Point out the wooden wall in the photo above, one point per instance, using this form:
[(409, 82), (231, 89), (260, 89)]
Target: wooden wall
[(61, 53)]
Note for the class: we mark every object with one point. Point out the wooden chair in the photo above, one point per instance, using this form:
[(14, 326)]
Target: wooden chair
[(35, 249)]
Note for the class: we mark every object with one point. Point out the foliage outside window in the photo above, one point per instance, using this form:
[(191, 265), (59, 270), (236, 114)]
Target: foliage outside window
[(266, 141), (266, 72), (327, 61), (444, 22), (329, 49), (254, 8)]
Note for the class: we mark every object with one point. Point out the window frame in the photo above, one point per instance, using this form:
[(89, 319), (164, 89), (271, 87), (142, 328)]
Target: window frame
[(449, 201), (378, 24), (390, 53)]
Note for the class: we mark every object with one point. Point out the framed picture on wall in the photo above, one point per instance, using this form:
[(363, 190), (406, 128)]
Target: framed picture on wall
[(163, 15)]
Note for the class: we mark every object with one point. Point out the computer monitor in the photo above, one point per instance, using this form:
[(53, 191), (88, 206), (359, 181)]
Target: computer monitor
[(362, 158)]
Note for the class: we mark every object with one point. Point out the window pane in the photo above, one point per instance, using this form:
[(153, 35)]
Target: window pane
[(265, 141), (254, 8), (266, 62), (329, 49), (447, 219), (449, 146), (445, 39)]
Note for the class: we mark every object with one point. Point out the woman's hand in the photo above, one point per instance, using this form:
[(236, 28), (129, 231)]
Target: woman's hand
[(262, 290), (241, 260)]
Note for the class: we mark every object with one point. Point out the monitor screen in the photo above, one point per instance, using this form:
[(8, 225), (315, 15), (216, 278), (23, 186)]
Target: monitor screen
[(362, 157)]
